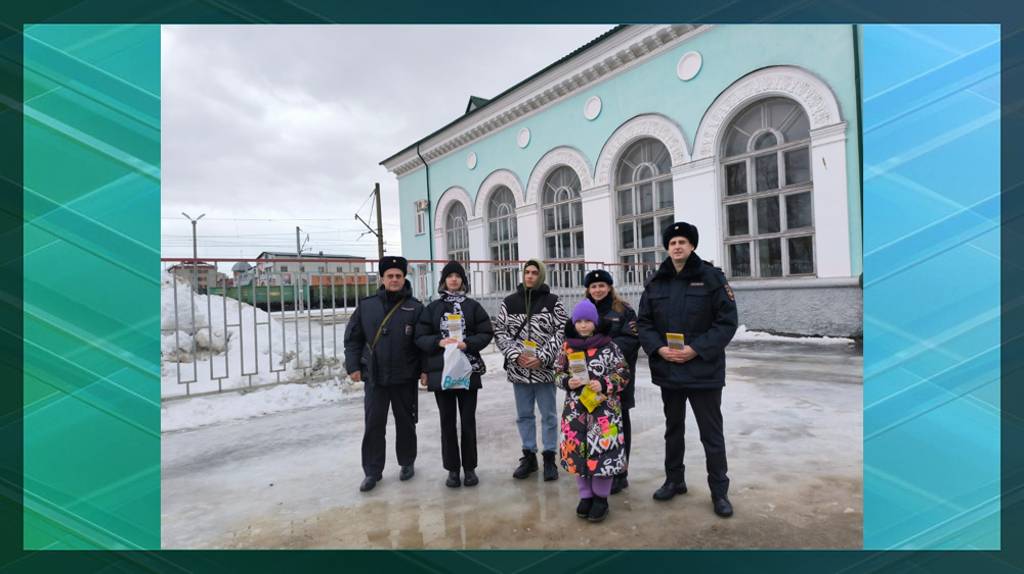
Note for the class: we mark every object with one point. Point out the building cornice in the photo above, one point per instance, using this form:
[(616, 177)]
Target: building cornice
[(620, 52)]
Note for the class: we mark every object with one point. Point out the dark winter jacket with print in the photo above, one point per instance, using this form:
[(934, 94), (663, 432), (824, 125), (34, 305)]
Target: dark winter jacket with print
[(593, 443), (625, 332), (530, 314), (396, 360), (433, 327), (697, 302)]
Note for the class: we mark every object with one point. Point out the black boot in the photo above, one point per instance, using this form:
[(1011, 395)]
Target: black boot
[(527, 465), (550, 468), (599, 511), (670, 489), (471, 478), (619, 483), (722, 506), (368, 483), (583, 508), (453, 479), (407, 472)]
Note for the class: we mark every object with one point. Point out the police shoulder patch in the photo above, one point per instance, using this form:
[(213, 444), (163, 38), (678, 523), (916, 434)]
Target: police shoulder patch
[(728, 291)]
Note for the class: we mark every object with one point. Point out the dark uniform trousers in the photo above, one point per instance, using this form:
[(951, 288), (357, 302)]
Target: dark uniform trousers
[(464, 402), (707, 409), (403, 401)]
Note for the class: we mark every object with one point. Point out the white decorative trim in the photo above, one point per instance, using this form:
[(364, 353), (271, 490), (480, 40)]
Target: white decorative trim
[(596, 193), (791, 82), (695, 168), (454, 194), (557, 157), (496, 179), (592, 108), (526, 210), (829, 134), (474, 222), (619, 52), (655, 126), (471, 160), (689, 66), (523, 138)]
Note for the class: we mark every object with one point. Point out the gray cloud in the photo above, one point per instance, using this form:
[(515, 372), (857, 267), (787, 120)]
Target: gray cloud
[(288, 123)]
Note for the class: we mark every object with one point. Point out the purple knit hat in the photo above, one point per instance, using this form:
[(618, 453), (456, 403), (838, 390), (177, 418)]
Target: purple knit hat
[(585, 310)]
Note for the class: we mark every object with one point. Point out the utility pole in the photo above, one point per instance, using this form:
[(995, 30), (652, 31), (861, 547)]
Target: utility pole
[(298, 270), (195, 256), (379, 232), (380, 226)]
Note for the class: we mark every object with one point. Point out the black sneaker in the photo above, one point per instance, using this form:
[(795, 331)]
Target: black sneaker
[(527, 465), (471, 478), (670, 489), (583, 508), (599, 511), (453, 480)]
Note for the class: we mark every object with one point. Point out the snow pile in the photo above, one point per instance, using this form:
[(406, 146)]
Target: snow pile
[(745, 336), (216, 339), (212, 409)]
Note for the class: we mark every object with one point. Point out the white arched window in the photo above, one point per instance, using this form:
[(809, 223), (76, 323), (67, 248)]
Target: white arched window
[(563, 226), (457, 233), (766, 178), (644, 206), (503, 239)]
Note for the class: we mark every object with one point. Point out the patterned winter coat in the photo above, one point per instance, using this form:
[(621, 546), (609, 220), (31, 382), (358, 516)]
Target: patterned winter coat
[(530, 314), (592, 442)]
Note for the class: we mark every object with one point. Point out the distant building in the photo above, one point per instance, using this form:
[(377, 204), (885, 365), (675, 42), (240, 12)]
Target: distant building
[(242, 274), (204, 273), (323, 268)]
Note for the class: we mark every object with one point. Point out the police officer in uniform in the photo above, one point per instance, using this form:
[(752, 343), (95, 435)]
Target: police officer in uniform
[(689, 297), (380, 350)]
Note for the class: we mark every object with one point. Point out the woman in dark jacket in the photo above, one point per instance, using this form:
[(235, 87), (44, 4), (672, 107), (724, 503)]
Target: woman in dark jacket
[(623, 331), (432, 336)]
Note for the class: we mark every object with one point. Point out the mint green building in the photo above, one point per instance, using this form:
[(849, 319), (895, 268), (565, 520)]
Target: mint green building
[(750, 132)]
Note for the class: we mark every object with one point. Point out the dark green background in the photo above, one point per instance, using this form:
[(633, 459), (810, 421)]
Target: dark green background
[(213, 11)]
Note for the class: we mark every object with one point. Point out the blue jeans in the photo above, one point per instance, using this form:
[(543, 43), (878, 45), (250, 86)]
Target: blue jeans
[(544, 395)]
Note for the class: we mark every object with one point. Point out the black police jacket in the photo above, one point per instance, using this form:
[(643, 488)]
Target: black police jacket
[(623, 329), (698, 303), (395, 360)]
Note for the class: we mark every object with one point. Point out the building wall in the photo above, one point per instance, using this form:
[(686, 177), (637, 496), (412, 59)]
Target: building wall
[(728, 52), (650, 93)]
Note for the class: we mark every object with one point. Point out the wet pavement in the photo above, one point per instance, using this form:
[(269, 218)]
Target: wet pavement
[(793, 423)]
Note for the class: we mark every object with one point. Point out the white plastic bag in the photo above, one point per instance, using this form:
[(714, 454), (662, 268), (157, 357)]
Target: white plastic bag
[(457, 369)]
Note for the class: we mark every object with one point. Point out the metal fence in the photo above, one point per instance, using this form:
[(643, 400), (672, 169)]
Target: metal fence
[(265, 326)]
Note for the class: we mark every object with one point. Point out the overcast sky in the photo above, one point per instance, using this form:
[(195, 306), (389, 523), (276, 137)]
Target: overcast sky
[(269, 127)]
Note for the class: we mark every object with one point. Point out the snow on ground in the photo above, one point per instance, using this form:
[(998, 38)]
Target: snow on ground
[(220, 343), (745, 336), (211, 409)]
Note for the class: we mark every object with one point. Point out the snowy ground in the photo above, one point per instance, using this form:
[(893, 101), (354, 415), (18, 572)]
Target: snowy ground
[(279, 468), (212, 343)]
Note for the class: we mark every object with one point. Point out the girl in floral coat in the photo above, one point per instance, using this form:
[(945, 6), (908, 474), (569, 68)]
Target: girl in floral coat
[(592, 440)]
